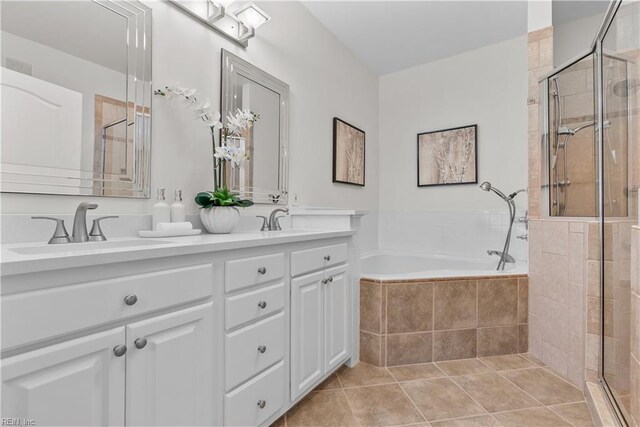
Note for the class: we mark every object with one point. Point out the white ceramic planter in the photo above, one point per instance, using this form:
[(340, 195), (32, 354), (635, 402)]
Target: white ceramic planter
[(220, 219)]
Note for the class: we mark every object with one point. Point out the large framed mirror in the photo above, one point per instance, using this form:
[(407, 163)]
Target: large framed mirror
[(76, 97), (263, 176)]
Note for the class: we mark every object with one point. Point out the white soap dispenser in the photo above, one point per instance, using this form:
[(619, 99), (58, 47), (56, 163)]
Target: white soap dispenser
[(177, 208), (161, 210)]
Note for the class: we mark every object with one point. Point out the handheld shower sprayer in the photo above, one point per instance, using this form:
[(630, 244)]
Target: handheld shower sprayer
[(504, 256)]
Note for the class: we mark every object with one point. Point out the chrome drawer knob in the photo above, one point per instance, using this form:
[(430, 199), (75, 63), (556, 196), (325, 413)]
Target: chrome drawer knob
[(330, 279), (120, 350), (324, 281), (262, 270), (140, 343), (262, 348), (262, 404), (130, 300), (327, 257), (262, 304)]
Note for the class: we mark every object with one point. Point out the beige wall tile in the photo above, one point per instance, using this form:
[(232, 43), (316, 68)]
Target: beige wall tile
[(535, 336), (523, 338), (523, 300), (555, 237), (555, 277), (497, 302), (535, 294), (499, 340), (409, 307), (371, 348), (533, 56), (455, 305), (407, 349), (371, 307), (452, 345), (555, 324), (554, 358), (576, 258)]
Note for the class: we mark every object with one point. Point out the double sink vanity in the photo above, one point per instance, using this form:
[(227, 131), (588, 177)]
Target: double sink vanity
[(204, 330)]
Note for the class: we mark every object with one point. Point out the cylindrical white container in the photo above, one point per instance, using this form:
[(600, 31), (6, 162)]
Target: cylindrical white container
[(177, 208), (161, 210)]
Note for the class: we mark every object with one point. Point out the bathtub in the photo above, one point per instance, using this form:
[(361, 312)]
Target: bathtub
[(385, 266)]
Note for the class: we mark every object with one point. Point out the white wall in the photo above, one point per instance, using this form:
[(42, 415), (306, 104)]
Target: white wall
[(325, 79), (487, 86)]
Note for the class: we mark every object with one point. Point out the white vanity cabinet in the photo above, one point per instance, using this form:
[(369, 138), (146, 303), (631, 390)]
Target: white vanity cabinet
[(320, 315), (230, 337), (76, 382), (153, 366)]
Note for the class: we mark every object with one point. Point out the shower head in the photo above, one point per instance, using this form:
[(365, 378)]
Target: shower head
[(486, 186)]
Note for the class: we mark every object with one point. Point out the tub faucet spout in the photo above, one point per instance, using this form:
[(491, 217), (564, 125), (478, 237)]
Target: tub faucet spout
[(502, 255)]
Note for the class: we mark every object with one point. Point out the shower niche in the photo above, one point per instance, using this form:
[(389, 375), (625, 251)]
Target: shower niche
[(572, 137)]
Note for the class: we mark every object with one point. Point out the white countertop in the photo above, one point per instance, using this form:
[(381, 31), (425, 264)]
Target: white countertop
[(86, 254)]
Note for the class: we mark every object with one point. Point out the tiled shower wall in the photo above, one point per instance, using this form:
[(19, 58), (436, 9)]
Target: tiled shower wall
[(635, 325), (404, 323), (558, 276)]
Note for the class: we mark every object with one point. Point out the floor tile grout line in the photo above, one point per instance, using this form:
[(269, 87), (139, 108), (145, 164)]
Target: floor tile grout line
[(414, 404), (559, 415), (465, 392), (548, 369), (523, 390), (346, 398)]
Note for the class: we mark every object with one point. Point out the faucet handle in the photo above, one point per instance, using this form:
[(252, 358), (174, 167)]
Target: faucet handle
[(60, 235), (276, 223), (265, 223), (96, 235)]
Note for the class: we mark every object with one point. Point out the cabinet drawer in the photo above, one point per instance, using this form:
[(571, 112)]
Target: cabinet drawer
[(245, 272), (242, 406), (33, 316), (244, 355), (253, 305), (317, 258)]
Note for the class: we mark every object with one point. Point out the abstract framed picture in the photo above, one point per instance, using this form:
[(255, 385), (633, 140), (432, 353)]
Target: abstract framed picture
[(448, 156), (348, 153)]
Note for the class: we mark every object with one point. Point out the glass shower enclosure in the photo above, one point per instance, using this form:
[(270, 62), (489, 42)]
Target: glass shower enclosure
[(592, 168)]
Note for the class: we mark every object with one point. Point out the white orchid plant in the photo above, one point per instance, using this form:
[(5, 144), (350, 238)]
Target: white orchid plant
[(236, 125)]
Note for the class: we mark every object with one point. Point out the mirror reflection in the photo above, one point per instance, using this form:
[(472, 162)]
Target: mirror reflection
[(65, 67), (261, 177)]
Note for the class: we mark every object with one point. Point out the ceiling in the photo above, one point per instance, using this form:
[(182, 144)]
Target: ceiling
[(393, 35)]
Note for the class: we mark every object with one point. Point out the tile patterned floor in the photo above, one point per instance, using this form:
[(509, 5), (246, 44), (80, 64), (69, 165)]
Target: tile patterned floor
[(513, 390)]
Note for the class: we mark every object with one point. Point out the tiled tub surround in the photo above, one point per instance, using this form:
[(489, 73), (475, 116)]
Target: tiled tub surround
[(419, 321)]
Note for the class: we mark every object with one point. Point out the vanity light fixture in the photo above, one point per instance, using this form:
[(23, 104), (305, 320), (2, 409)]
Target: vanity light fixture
[(251, 15), (238, 25)]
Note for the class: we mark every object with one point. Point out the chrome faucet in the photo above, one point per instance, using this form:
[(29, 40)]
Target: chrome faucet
[(79, 227), (502, 255), (272, 223), (80, 222)]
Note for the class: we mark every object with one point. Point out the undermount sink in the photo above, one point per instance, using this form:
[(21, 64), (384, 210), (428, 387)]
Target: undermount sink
[(84, 247)]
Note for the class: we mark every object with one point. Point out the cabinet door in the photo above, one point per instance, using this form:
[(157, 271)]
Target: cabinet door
[(306, 332), (336, 317), (169, 369), (80, 382)]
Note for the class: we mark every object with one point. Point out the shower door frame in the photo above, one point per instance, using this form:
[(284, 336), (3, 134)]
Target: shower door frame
[(596, 50)]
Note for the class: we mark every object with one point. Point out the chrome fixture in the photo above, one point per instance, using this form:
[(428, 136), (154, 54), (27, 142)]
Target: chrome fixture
[(238, 24), (523, 237), (80, 234), (60, 234), (80, 222), (273, 222), (507, 258), (96, 235), (504, 255)]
